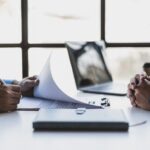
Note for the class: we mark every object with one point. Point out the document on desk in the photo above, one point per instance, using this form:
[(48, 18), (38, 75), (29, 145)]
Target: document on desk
[(29, 103), (57, 80), (54, 104)]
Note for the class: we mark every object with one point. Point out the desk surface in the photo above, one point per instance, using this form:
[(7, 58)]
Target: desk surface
[(16, 133)]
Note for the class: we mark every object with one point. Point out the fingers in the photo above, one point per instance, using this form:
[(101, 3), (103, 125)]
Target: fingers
[(130, 95), (8, 108), (9, 97), (137, 81), (27, 85), (138, 91), (131, 88), (36, 82), (31, 83), (15, 88), (133, 101), (33, 77), (137, 78), (14, 101), (12, 98), (133, 80)]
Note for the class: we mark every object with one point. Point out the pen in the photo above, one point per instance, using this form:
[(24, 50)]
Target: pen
[(27, 109)]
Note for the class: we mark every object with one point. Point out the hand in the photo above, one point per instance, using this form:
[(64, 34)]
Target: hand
[(9, 97), (131, 89), (135, 90), (142, 94), (27, 85)]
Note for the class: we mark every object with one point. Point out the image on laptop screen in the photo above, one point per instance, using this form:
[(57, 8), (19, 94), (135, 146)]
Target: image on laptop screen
[(88, 63)]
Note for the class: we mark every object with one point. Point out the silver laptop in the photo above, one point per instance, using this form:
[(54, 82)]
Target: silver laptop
[(90, 69), (81, 119)]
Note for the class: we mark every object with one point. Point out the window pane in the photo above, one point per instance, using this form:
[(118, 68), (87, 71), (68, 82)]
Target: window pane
[(10, 63), (10, 22), (63, 20), (37, 59), (127, 21), (124, 63)]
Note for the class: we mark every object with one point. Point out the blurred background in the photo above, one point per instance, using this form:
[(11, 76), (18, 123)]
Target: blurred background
[(122, 24)]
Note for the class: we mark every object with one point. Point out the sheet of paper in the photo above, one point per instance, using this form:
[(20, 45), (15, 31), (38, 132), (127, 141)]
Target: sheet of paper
[(28, 102), (56, 78), (54, 104), (57, 81)]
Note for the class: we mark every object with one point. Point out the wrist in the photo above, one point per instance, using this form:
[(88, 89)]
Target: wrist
[(15, 82)]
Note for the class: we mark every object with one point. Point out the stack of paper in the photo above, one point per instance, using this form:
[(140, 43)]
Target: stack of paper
[(57, 81)]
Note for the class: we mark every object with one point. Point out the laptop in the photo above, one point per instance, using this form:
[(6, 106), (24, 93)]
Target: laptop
[(90, 68), (81, 119)]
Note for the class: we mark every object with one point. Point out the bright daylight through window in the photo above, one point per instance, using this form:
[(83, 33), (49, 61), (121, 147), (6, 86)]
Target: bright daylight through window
[(57, 21), (127, 22)]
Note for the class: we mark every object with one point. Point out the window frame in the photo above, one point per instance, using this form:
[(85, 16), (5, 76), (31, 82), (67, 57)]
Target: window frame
[(25, 45)]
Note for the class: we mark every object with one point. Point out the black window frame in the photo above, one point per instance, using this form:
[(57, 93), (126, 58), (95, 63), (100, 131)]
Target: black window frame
[(25, 45)]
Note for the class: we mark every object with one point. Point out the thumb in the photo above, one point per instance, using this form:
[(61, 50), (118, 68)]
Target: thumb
[(30, 83)]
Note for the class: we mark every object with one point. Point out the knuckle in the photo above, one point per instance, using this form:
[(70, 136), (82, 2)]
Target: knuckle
[(137, 94)]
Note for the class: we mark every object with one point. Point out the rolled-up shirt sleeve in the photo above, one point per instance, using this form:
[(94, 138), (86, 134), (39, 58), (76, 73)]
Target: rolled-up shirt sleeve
[(8, 81)]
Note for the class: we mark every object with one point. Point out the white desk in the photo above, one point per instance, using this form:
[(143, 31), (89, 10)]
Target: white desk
[(16, 133)]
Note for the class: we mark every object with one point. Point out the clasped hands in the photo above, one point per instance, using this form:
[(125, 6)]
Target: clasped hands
[(10, 94), (139, 91)]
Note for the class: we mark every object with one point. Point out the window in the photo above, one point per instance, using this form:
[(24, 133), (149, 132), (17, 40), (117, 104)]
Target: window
[(10, 25), (56, 21), (127, 21), (126, 31), (36, 26), (10, 63), (30, 29), (37, 59), (10, 32), (124, 63)]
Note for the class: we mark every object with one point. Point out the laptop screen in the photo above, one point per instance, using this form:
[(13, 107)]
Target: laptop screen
[(88, 63)]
